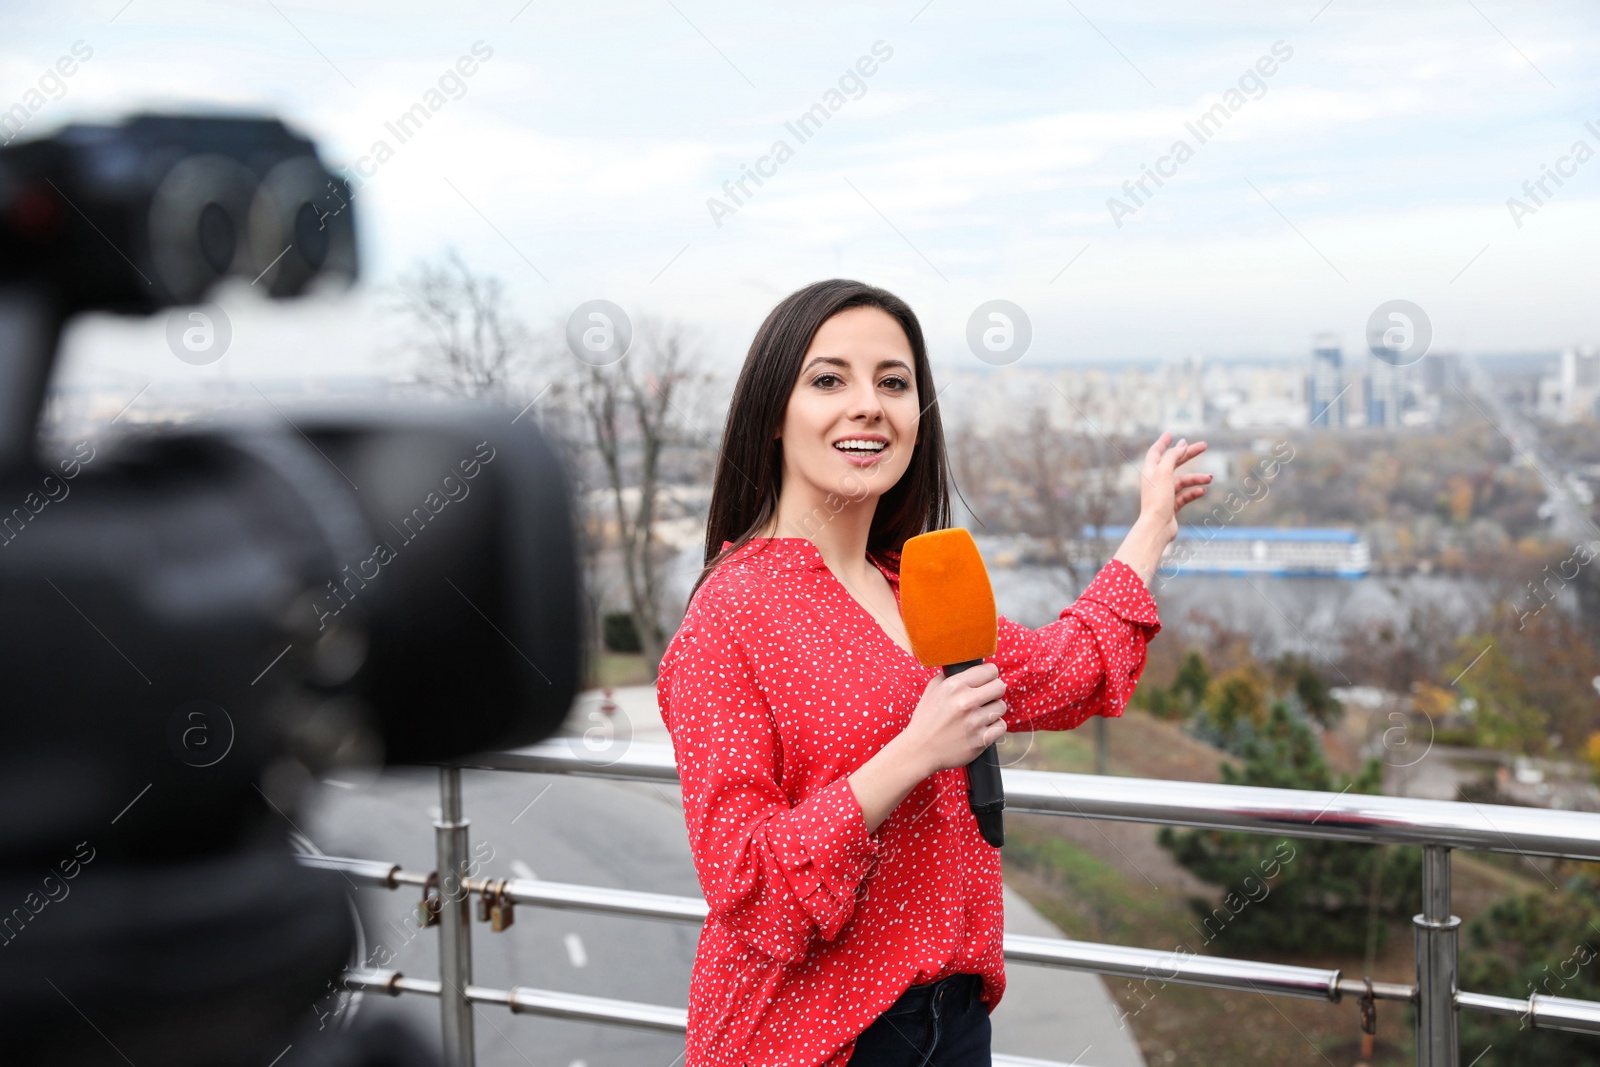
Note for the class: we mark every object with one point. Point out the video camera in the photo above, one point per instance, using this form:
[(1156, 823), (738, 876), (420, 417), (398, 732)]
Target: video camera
[(195, 622)]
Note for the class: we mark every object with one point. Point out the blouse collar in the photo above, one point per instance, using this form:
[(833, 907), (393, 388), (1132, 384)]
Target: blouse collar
[(799, 553)]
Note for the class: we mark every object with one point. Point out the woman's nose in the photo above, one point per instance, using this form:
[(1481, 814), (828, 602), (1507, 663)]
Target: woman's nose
[(865, 403)]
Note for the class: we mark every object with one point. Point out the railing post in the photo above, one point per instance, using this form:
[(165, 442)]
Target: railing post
[(455, 922), (1436, 928)]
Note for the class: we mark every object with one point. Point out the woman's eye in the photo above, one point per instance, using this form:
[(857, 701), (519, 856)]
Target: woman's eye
[(895, 382)]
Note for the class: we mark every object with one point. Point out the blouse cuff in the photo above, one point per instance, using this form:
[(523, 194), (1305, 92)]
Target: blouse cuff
[(1120, 590), (826, 852)]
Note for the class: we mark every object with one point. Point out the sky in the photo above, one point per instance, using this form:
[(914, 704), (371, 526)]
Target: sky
[(977, 161)]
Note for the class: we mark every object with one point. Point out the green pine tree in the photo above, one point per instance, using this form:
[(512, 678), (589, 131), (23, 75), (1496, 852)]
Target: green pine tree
[(1540, 942), (1293, 896)]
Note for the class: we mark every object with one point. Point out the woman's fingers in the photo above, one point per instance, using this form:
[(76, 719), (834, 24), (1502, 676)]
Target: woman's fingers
[(1157, 452), (1182, 452), (989, 692), (1175, 455), (1161, 465), (985, 682), (982, 674)]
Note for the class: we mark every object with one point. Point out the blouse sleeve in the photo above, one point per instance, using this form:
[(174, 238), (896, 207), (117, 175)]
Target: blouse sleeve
[(1086, 662), (776, 874)]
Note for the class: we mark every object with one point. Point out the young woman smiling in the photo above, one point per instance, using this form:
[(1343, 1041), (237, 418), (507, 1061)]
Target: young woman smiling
[(855, 910)]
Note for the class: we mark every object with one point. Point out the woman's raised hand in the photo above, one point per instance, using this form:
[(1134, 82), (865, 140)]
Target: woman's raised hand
[(958, 717), (1163, 491)]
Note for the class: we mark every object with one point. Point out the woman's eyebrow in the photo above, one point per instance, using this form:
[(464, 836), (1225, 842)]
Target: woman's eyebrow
[(837, 362)]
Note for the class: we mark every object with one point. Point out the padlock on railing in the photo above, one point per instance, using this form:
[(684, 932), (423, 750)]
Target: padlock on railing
[(428, 910), (1369, 1024), (485, 898), (500, 913), (494, 906)]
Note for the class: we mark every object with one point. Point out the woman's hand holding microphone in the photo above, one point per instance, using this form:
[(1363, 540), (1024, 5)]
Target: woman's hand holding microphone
[(958, 717)]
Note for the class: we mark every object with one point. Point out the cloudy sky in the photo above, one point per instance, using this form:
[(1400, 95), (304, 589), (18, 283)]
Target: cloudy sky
[(975, 162)]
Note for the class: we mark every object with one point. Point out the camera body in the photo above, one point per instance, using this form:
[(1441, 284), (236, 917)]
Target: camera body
[(197, 621)]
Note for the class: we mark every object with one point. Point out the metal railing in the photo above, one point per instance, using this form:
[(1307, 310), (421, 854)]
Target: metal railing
[(1435, 826)]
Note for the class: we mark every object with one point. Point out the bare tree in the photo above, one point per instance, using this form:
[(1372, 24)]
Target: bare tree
[(469, 342), (638, 414), (627, 429), (1048, 485)]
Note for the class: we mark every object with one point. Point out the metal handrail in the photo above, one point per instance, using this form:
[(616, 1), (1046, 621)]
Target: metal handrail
[(576, 1007), (1436, 826), (1344, 816), (1213, 972)]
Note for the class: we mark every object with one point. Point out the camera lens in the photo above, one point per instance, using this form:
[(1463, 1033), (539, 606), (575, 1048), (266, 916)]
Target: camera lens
[(310, 236), (217, 237)]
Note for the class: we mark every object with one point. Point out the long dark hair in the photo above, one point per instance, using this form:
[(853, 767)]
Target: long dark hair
[(744, 494)]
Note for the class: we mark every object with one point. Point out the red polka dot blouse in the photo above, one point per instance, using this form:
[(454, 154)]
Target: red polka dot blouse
[(776, 687)]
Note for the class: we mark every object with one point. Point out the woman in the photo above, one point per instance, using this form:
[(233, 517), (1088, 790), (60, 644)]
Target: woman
[(855, 910)]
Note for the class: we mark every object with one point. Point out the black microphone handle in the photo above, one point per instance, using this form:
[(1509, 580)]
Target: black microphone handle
[(985, 792)]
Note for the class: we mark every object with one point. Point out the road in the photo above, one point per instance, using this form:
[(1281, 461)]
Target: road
[(625, 835), (1569, 519)]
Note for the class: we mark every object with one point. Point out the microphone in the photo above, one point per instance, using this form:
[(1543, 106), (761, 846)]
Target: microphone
[(947, 605)]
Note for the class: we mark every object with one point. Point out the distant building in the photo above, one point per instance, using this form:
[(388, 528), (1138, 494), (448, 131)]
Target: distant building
[(1441, 372), (1308, 551), (1254, 394), (1181, 397), (1572, 393), (1325, 385), (1111, 398), (1385, 393)]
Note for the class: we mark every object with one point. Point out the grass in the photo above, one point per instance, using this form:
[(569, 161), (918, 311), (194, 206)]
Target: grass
[(1093, 894), (617, 669)]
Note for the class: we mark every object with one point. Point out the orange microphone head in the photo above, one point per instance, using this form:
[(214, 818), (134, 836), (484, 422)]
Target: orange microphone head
[(946, 601)]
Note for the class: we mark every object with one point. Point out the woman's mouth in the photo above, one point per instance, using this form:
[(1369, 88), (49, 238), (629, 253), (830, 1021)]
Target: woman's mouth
[(861, 452)]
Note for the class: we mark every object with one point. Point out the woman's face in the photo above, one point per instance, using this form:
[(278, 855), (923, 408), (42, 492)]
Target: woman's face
[(857, 385)]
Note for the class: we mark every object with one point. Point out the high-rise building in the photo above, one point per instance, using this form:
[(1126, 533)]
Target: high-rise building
[(1386, 393), (1441, 371), (1325, 384), (1181, 399), (1580, 384)]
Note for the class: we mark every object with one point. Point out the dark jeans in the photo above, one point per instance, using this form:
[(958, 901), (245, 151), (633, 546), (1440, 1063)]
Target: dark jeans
[(942, 1024)]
